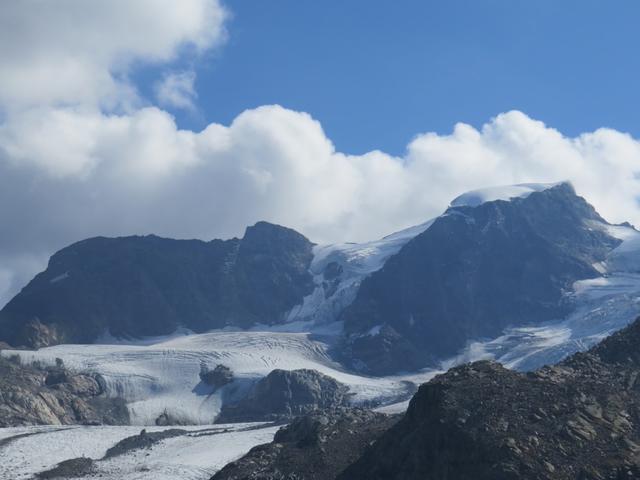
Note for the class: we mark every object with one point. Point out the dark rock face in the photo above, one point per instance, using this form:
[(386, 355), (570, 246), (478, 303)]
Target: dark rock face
[(144, 440), (384, 351), (220, 376), (477, 270), (284, 394), (140, 286), (30, 395), (577, 420), (314, 447)]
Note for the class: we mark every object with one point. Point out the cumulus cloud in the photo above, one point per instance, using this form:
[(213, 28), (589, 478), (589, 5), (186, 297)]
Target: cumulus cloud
[(72, 167), (80, 52), (176, 90)]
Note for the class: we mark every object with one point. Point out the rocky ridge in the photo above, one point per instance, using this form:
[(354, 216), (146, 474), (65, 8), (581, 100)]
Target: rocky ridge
[(579, 419), (147, 286)]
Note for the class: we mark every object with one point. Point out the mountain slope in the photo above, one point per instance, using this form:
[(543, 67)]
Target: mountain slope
[(578, 419), (142, 286), (480, 421), (315, 447), (480, 267)]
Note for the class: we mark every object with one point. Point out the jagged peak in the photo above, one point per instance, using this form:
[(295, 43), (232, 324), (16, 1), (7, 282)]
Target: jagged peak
[(263, 230)]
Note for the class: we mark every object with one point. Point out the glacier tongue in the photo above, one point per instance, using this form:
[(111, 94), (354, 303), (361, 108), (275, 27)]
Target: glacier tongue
[(338, 270)]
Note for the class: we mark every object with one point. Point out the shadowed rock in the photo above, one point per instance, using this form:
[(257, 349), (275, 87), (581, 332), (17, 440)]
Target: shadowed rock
[(220, 376), (313, 447), (285, 394), (145, 286)]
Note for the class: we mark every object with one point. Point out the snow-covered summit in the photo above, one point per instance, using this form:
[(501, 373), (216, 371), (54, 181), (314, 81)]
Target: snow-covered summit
[(474, 198)]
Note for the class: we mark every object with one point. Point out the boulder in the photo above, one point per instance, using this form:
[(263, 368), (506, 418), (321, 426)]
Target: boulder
[(220, 376)]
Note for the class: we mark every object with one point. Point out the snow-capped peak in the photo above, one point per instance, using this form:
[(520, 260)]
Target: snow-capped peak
[(474, 198)]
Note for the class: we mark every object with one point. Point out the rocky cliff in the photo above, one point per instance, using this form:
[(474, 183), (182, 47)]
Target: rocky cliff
[(141, 286)]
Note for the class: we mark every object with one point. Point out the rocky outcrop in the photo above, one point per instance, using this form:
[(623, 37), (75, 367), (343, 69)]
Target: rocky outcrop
[(383, 350), (284, 394), (313, 447), (577, 420), (220, 376), (80, 467), (475, 271), (31, 395), (140, 286)]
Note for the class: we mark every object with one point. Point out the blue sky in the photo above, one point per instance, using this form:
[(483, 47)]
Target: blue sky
[(376, 73)]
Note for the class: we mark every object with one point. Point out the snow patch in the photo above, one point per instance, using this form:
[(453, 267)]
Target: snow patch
[(374, 331), (59, 278), (197, 455), (474, 198)]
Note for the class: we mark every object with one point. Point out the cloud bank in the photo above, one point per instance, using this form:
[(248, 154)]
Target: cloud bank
[(85, 156)]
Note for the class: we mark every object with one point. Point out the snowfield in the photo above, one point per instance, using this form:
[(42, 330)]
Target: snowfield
[(163, 377), (196, 455)]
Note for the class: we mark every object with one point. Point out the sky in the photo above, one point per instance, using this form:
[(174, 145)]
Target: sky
[(343, 120)]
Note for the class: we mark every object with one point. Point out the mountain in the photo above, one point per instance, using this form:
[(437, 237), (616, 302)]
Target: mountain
[(525, 274), (479, 268), (147, 286)]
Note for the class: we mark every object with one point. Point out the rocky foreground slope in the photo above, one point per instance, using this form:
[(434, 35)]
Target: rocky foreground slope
[(314, 447), (31, 395), (577, 420)]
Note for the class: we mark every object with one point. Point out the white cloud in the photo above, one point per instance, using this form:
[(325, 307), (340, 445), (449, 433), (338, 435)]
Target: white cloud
[(80, 52), (72, 166), (176, 90)]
